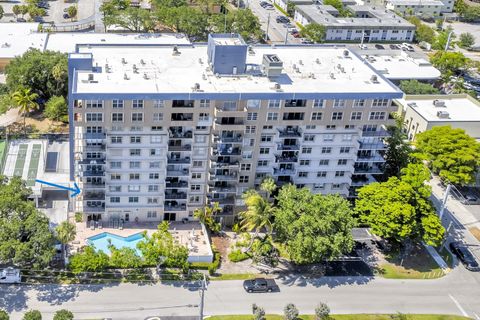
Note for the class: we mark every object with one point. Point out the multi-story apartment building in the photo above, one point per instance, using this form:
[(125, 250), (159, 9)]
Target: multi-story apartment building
[(158, 131)]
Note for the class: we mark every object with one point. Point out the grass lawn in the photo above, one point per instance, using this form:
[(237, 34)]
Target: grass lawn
[(348, 317), (234, 276), (417, 265)]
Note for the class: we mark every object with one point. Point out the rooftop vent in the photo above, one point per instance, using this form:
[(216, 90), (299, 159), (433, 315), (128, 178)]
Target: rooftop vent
[(124, 61), (250, 50), (272, 65), (176, 52), (90, 77), (125, 77), (142, 62), (6, 45), (135, 69), (196, 87), (317, 61), (374, 78), (145, 76), (412, 104), (346, 53), (200, 61), (443, 114), (277, 87), (439, 103), (332, 75)]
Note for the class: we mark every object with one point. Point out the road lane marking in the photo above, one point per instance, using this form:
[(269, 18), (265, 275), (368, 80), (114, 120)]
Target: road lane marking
[(476, 316), (464, 313)]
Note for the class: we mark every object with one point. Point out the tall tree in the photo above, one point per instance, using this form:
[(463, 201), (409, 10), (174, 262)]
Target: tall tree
[(442, 38), (1, 12), (268, 186), (88, 260), (399, 209), (423, 31), (72, 12), (451, 153), (207, 216), (315, 32), (258, 214), (134, 19), (25, 237), (417, 87), (449, 62), (25, 101), (56, 109), (398, 151), (65, 233), (314, 228)]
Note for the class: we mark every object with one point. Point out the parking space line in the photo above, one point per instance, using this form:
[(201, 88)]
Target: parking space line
[(464, 313)]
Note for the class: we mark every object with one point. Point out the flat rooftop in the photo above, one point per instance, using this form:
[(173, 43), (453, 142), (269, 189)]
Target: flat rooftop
[(460, 107), (306, 69), (416, 2), (16, 38), (377, 18), (400, 66)]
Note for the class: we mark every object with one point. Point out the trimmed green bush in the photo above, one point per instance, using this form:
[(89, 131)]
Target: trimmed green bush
[(4, 315), (63, 315), (32, 315), (238, 255)]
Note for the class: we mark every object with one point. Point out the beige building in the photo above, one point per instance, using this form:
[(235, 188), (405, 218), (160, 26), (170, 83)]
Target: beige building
[(158, 131), (421, 113)]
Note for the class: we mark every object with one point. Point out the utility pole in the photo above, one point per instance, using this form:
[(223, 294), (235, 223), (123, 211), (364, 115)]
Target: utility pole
[(268, 25), (202, 295), (444, 202), (286, 36), (361, 41), (447, 45)]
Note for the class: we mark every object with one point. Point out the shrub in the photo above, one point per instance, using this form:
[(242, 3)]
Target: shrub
[(78, 217), (291, 312), (32, 315), (63, 315), (4, 315), (238, 255), (322, 311), (212, 268), (56, 109), (259, 314)]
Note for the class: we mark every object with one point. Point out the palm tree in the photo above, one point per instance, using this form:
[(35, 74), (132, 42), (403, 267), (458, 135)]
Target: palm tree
[(268, 185), (24, 100), (207, 216), (66, 233), (258, 214)]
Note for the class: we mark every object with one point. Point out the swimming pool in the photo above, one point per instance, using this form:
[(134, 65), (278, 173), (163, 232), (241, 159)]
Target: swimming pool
[(103, 240)]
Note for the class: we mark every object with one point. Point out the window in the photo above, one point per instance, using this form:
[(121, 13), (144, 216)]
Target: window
[(330, 127), (134, 188), (318, 103), (152, 200), (117, 117), (134, 176), (342, 162), (250, 129), (359, 103), (338, 103), (347, 137), (151, 214), (154, 152), (252, 116), (114, 199), (245, 167), (154, 164), (326, 149), (157, 128), (158, 103), (304, 162), (203, 117), (336, 186), (196, 175), (197, 164), (356, 115), (321, 174), (132, 199), (117, 104), (274, 103), (323, 162), (377, 115), (157, 117), (135, 139), (380, 103), (115, 139), (337, 115), (94, 104), (310, 126), (243, 179), (253, 103), (195, 187), (349, 127), (153, 188), (134, 152), (309, 137), (293, 116), (344, 149), (328, 137), (137, 104), (339, 173), (137, 117), (316, 116), (194, 199), (306, 150), (264, 150), (115, 176), (262, 163), (204, 103), (116, 164), (266, 138), (136, 128), (155, 139), (92, 117), (272, 116), (267, 127), (303, 174), (154, 176)]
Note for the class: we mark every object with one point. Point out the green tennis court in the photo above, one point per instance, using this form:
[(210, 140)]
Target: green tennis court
[(33, 166), (20, 162)]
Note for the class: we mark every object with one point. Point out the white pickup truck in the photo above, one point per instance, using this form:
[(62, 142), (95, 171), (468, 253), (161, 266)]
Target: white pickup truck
[(10, 275)]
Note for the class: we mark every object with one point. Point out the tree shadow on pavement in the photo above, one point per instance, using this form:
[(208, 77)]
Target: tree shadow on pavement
[(13, 297), (58, 294), (331, 282)]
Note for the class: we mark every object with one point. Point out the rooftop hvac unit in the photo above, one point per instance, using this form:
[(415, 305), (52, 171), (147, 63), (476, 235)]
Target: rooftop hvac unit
[(90, 77), (443, 114), (439, 103), (176, 52), (196, 86), (412, 104), (374, 79), (272, 65), (277, 87), (124, 61), (345, 53)]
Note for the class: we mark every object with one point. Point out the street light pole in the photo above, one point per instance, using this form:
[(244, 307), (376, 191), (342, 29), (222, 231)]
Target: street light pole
[(447, 45), (444, 202), (268, 25), (202, 296)]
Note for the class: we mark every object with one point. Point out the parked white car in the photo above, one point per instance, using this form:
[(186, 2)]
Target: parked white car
[(10, 275)]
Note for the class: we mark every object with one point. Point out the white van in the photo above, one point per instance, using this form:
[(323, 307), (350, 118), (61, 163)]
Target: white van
[(10, 275)]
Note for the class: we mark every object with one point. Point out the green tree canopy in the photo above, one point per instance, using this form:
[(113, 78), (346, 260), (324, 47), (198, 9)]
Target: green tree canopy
[(63, 315), (124, 258), (32, 315), (466, 40), (258, 214), (1, 12), (26, 102), (72, 12), (448, 62), (4, 315), (417, 87), (88, 260), (135, 19), (398, 151), (65, 232), (399, 209), (44, 73), (452, 154), (25, 238), (442, 38), (56, 109), (315, 32), (423, 31), (313, 228)]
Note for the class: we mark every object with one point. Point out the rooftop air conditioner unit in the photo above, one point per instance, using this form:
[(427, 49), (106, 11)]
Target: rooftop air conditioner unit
[(374, 79), (443, 114), (90, 77), (439, 103)]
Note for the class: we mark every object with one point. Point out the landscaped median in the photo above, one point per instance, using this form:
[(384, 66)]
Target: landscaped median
[(350, 317)]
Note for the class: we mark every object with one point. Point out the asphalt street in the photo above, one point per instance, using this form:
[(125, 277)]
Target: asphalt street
[(456, 293)]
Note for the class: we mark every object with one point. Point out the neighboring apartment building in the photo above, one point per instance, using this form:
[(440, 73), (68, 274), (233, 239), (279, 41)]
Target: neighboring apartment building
[(426, 8), (374, 25), (423, 112), (157, 131)]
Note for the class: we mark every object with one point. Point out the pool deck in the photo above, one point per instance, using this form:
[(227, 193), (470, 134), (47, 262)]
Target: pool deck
[(197, 244)]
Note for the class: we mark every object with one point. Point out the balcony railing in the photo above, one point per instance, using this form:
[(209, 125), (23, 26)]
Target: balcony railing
[(179, 195), (180, 135), (282, 159), (97, 135), (180, 184), (93, 173), (290, 133), (288, 147), (369, 170), (91, 161), (186, 147), (378, 133), (224, 177), (283, 172), (177, 173), (179, 160), (178, 207), (228, 189), (94, 196)]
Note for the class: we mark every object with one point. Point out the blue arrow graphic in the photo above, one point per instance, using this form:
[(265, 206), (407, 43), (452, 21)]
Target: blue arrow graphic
[(75, 190)]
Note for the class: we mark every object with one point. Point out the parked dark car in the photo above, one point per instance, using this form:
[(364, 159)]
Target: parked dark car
[(260, 285), (471, 200), (282, 19), (379, 47), (465, 256), (66, 16), (43, 5)]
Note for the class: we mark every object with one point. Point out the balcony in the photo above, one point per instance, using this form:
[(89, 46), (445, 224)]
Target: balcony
[(223, 189), (283, 172), (222, 163), (379, 133), (230, 108), (224, 201), (183, 103), (94, 196), (174, 206), (179, 134), (226, 151), (96, 135), (231, 123), (238, 138), (290, 132), (94, 206), (367, 170), (97, 185), (177, 172), (288, 147), (92, 161), (92, 173), (295, 103), (372, 145), (186, 147), (95, 147), (175, 185), (369, 157), (175, 160), (175, 195), (182, 117), (286, 159), (224, 177)]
